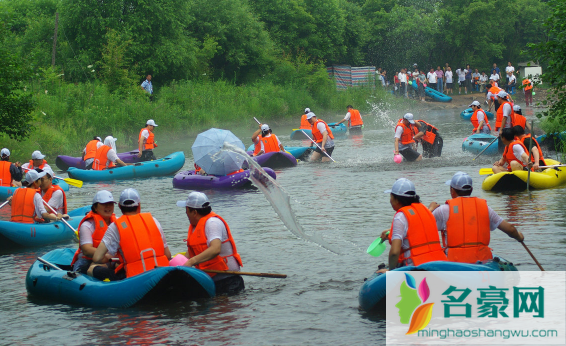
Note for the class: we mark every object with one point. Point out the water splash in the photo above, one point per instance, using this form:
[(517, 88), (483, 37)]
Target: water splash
[(279, 200)]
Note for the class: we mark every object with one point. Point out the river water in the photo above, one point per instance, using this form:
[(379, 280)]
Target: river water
[(342, 203)]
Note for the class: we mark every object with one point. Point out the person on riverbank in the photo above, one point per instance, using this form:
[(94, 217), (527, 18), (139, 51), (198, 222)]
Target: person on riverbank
[(11, 174), (511, 82), (403, 82), (483, 82), (479, 119), (430, 139), (210, 244), (466, 222), (92, 229), (439, 79), (323, 137), (476, 80), (106, 156), (267, 142), (515, 156), (53, 195), (413, 236), (27, 204), (305, 125), (147, 86), (354, 120), (146, 141), (405, 131), (431, 77), (536, 153), (461, 73), (468, 79), (37, 161), (421, 81), (528, 88), (137, 237), (90, 151), (449, 80)]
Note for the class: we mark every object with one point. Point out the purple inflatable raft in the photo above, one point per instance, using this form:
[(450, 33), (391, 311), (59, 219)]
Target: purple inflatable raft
[(191, 181), (275, 159), (64, 162)]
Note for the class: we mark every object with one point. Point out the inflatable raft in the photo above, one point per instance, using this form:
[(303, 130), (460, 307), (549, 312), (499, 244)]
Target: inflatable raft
[(156, 285), (467, 114), (434, 94), (190, 181), (64, 162), (165, 166), (300, 153), (552, 140), (476, 143), (276, 159), (6, 191), (337, 131), (373, 291), (39, 234), (517, 180)]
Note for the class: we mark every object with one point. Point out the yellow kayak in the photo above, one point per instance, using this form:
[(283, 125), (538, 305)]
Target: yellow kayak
[(517, 180)]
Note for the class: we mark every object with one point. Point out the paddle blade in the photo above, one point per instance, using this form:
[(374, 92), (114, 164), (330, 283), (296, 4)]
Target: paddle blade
[(485, 171), (74, 182)]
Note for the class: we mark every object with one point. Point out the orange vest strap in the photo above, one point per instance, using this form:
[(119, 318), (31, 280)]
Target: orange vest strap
[(317, 135)]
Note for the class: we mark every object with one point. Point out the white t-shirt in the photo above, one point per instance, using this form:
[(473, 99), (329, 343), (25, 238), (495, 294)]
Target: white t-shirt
[(511, 79), (400, 229), (85, 235), (329, 141), (495, 77), (518, 151), (111, 155), (269, 135), (112, 238), (483, 78), (509, 69), (39, 207), (347, 117), (215, 229), (431, 77), (482, 117), (461, 74), (145, 133), (448, 75), (402, 77), (506, 114), (398, 134), (56, 201)]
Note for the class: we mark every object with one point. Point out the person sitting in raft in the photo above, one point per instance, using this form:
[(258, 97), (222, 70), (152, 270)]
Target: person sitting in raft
[(536, 153), (146, 141), (37, 161), (27, 204), (199, 170), (136, 237), (267, 141), (92, 228), (479, 119), (465, 223), (90, 151), (354, 120), (323, 137), (210, 244), (404, 138), (430, 138), (53, 195), (413, 236), (515, 155), (305, 125), (11, 174), (106, 156)]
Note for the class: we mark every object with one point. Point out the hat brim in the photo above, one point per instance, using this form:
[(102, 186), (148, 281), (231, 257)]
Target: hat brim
[(411, 121), (181, 204), (104, 202), (387, 191)]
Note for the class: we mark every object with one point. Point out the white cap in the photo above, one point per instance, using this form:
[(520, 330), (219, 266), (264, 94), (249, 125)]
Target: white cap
[(409, 117), (502, 94), (103, 196), (403, 187), (5, 152), (129, 195), (307, 110), (265, 127), (49, 171), (196, 200), (99, 139), (111, 142), (37, 155), (475, 103), (151, 122), (310, 115), (33, 175), (516, 108), (460, 181)]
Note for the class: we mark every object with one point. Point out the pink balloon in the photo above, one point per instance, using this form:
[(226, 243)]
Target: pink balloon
[(178, 260), (398, 158)]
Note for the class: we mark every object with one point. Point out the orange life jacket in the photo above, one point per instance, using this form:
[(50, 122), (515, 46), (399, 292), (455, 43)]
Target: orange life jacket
[(475, 121), (499, 115), (197, 168), (535, 142), (90, 150), (355, 118), (528, 84), (270, 144), (47, 196), (317, 134), (5, 175), (509, 156), (305, 125), (257, 145), (236, 172), (141, 243), (519, 119), (196, 244), (40, 167), (494, 90), (149, 142), (430, 132), (23, 208), (100, 228), (467, 230), (422, 235), (101, 159), (408, 133)]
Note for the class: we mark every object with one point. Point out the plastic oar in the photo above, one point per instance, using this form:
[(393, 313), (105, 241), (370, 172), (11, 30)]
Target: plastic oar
[(533, 256), (484, 171), (263, 275), (318, 146), (257, 121), (70, 181), (4, 204), (530, 153), (561, 165), (484, 149), (62, 219), (48, 263)]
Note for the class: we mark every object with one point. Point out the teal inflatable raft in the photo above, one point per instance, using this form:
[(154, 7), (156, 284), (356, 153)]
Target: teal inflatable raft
[(467, 114), (337, 131), (433, 94), (6, 191), (476, 143)]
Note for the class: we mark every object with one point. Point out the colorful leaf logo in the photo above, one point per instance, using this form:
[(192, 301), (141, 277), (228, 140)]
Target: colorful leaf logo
[(410, 281), (421, 318), (424, 291)]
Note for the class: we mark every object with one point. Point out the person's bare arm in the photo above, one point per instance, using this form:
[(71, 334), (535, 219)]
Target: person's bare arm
[(208, 254)]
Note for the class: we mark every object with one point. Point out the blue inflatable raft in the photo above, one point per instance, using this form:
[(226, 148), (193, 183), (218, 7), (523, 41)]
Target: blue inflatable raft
[(165, 166), (434, 94), (467, 114), (154, 286), (476, 143), (6, 191), (337, 131), (17, 234), (373, 291)]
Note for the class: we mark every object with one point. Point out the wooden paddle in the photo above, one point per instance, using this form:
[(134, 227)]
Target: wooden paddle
[(484, 149), (533, 256), (70, 181), (263, 275), (318, 146)]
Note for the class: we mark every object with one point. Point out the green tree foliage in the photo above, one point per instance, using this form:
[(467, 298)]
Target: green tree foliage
[(114, 65)]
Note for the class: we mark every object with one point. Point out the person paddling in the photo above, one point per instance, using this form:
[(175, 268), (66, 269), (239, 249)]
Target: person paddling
[(106, 156), (405, 131), (89, 151), (11, 174), (267, 142), (479, 119), (536, 153), (430, 139), (323, 136), (466, 222), (515, 156), (146, 141), (53, 194), (354, 119), (37, 161), (413, 236)]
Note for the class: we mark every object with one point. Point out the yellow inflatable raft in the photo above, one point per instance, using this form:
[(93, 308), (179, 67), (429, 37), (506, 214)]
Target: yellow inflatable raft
[(517, 180)]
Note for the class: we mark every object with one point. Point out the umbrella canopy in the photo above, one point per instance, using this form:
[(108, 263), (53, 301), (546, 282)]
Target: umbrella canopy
[(208, 153)]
